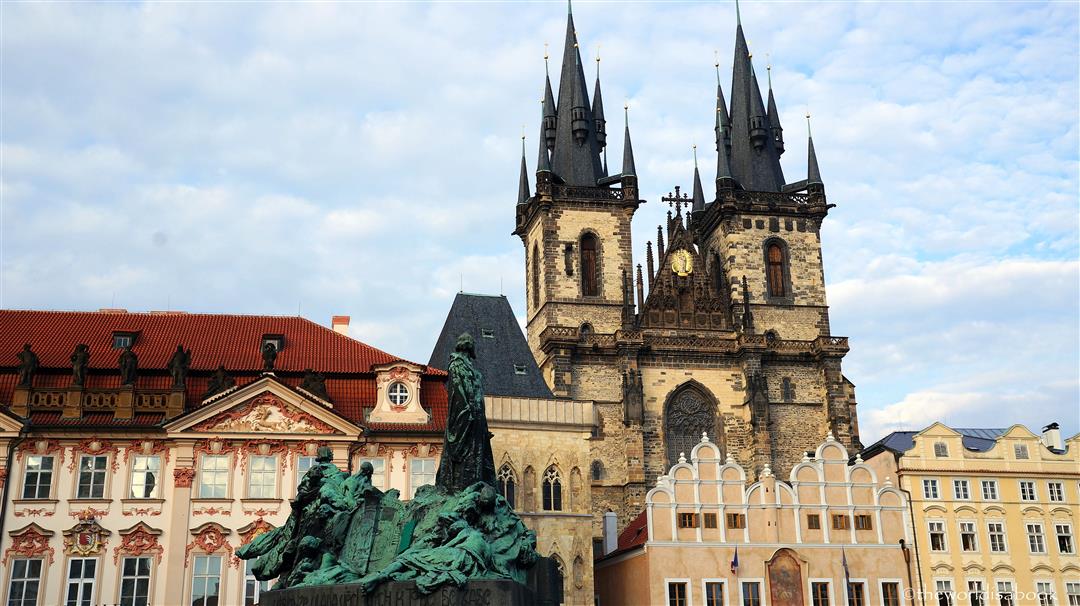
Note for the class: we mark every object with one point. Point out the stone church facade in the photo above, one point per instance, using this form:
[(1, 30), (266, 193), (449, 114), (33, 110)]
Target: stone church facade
[(724, 329)]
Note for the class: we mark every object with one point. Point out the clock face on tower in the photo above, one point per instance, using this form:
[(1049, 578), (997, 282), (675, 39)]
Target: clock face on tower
[(682, 262)]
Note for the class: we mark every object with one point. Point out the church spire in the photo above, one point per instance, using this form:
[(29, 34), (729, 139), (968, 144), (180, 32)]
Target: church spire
[(523, 182), (598, 108), (543, 163), (813, 174), (628, 149), (699, 194), (547, 132), (723, 122), (576, 155), (774, 117)]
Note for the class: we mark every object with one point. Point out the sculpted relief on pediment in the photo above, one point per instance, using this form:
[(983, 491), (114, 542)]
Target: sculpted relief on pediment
[(264, 414)]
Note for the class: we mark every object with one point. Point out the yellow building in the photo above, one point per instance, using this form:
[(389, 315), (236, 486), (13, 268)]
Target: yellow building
[(994, 512), (834, 533)]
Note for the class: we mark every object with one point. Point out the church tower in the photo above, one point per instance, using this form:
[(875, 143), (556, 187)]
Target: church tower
[(723, 329), (576, 228)]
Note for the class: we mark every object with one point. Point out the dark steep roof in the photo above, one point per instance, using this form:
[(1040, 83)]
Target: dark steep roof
[(497, 354), (899, 442)]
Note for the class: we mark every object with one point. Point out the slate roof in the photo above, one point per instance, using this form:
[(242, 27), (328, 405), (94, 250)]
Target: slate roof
[(500, 346), (974, 439), (228, 339)]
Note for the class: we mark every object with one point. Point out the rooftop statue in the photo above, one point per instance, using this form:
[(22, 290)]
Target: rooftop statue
[(343, 530), (129, 366), (28, 365), (80, 359)]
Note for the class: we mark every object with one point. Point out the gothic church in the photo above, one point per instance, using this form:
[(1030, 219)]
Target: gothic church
[(724, 330)]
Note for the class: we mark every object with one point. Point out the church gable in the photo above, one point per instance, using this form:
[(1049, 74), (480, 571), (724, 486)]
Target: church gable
[(682, 292), (266, 406)]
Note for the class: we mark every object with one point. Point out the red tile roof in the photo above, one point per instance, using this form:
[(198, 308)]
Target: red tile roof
[(634, 535), (232, 340)]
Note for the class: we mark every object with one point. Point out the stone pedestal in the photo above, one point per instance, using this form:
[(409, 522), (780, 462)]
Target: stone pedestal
[(20, 401), (474, 593), (125, 403), (73, 402), (174, 406)]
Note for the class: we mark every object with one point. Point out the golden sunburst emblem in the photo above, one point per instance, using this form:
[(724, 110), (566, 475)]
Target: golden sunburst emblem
[(682, 263)]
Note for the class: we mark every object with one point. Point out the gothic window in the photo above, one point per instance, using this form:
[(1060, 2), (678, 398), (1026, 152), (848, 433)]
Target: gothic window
[(552, 489), (560, 569), (774, 270), (507, 483), (589, 282), (787, 389), (689, 412), (536, 277), (597, 471)]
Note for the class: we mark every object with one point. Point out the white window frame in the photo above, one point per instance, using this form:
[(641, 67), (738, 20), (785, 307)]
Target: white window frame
[(865, 588), (393, 394), (1034, 491), (300, 472), (413, 485), (1060, 490), (49, 485), (1041, 535), (194, 576), (1072, 593), (249, 577), (993, 486), (1004, 536), (900, 596), (689, 591), (974, 531), (156, 472), (204, 472), (760, 581), (1010, 589), (944, 536), (82, 581), (135, 578), (967, 489), (1053, 591), (723, 590), (810, 582), (381, 485), (984, 590), (94, 473), (931, 483), (1058, 524), (951, 591), (39, 579), (258, 490)]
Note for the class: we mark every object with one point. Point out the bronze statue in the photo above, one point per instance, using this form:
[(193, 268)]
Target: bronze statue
[(467, 457), (28, 365), (315, 384), (129, 365), (178, 366), (269, 355), (80, 359), (219, 381)]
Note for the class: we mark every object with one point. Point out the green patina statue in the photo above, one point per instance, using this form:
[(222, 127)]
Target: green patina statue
[(344, 530)]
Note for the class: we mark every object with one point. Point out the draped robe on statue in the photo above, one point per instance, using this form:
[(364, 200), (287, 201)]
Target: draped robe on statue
[(467, 457)]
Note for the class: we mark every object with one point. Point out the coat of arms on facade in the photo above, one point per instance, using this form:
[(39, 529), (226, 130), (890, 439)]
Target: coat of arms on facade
[(86, 538)]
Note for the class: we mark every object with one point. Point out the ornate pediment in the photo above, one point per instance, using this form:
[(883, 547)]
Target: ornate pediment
[(265, 413), (686, 292)]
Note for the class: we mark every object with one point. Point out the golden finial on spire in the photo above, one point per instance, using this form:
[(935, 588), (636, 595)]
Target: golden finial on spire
[(808, 123), (695, 155)]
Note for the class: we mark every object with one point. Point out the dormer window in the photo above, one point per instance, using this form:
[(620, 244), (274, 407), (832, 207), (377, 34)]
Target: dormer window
[(1021, 451), (398, 394), (123, 339), (278, 341), (487, 333), (519, 369), (941, 449)]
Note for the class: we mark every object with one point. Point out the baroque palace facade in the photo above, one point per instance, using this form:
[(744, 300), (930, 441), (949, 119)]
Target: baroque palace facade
[(725, 329), (139, 450)]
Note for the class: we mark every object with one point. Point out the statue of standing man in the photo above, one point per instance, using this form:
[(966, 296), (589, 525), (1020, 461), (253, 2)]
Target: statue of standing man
[(129, 366), (28, 365), (178, 366), (467, 457), (80, 359)]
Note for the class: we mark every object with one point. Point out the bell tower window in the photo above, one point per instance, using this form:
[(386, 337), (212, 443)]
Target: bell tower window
[(589, 282), (774, 270)]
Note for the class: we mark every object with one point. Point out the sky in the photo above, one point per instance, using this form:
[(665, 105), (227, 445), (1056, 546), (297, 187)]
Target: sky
[(362, 159)]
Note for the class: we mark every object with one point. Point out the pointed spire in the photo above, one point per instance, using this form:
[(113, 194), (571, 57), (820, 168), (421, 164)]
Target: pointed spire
[(598, 107), (724, 181), (699, 195), (628, 149), (576, 154), (660, 240), (813, 174), (723, 122), (649, 263), (738, 15), (543, 163), (550, 118), (758, 118), (754, 159), (640, 290), (774, 117), (523, 183)]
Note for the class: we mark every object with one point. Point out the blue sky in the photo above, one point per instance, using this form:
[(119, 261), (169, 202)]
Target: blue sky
[(361, 159)]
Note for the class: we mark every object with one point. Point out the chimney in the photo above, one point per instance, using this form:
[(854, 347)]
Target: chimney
[(340, 324), (1051, 437), (611, 532)]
